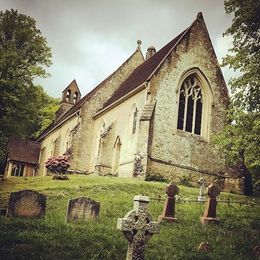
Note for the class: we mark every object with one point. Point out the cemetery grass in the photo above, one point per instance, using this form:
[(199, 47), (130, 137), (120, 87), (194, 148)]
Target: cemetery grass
[(51, 238)]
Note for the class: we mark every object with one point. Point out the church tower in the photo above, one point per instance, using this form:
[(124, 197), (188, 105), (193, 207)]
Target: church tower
[(70, 96)]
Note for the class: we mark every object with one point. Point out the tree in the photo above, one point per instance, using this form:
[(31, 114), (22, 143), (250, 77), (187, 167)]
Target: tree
[(240, 140), (24, 54), (245, 30)]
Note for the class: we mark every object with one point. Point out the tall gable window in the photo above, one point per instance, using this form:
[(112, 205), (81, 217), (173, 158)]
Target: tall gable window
[(195, 99), (190, 106)]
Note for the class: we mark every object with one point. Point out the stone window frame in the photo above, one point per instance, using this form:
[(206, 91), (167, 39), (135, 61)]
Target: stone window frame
[(207, 101), (133, 122)]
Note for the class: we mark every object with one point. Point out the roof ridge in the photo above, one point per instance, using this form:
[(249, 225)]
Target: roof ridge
[(147, 69), (177, 42)]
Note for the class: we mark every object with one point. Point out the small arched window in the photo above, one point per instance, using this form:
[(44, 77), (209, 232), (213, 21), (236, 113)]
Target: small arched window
[(68, 94), (190, 106), (75, 97), (134, 121)]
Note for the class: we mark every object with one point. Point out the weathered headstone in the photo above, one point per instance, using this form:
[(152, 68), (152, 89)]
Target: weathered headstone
[(169, 206), (81, 209), (138, 228), (209, 215), (26, 203), (204, 247), (201, 197)]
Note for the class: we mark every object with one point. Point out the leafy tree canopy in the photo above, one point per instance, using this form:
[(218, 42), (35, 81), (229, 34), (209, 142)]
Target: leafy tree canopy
[(245, 54), (240, 140), (24, 55)]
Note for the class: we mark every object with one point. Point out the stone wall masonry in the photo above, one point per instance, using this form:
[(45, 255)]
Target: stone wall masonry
[(169, 144), (178, 174), (121, 120), (85, 140)]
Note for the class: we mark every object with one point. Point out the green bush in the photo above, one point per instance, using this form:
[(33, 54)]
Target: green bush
[(58, 164)]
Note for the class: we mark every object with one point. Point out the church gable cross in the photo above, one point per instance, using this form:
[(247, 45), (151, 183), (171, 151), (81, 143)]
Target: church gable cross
[(138, 227)]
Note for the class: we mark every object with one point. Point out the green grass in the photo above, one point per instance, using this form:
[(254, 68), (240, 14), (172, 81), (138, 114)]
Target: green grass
[(51, 238)]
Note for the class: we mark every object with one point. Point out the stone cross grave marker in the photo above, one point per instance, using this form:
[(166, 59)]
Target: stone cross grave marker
[(138, 228), (169, 206), (26, 203), (82, 209), (209, 215), (201, 197)]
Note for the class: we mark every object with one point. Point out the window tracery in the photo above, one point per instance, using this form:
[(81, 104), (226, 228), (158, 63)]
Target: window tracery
[(190, 106)]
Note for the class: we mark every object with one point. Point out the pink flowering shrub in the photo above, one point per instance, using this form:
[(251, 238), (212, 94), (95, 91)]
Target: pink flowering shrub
[(58, 164)]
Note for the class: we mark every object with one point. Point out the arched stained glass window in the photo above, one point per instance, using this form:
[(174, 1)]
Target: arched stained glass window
[(190, 106)]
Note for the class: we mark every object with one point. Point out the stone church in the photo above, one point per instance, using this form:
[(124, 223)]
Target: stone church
[(154, 116)]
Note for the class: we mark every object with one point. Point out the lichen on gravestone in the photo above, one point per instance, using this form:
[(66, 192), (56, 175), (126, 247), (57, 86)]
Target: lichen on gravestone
[(138, 227)]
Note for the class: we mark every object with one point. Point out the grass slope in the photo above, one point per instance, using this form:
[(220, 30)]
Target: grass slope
[(51, 238)]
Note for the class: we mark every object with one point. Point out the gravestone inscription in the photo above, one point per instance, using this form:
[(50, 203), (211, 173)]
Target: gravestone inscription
[(82, 209), (26, 203)]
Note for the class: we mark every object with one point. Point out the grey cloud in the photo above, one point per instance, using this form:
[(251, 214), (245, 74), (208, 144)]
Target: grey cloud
[(72, 26)]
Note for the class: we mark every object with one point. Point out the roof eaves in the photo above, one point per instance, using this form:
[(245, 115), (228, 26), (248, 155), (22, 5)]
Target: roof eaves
[(120, 100), (56, 126)]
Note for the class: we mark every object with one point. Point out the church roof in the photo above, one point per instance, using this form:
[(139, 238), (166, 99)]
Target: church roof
[(144, 71), (23, 150)]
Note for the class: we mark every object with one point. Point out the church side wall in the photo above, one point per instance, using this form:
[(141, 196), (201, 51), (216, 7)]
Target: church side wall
[(63, 133), (120, 118), (83, 148), (174, 153)]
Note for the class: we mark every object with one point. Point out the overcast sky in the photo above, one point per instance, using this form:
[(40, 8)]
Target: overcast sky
[(91, 38)]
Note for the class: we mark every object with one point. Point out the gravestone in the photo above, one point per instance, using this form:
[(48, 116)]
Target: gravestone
[(204, 247), (26, 203), (201, 197), (138, 228), (209, 215), (169, 206), (82, 209)]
